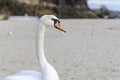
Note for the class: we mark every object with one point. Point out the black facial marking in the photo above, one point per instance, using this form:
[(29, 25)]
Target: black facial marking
[(55, 20)]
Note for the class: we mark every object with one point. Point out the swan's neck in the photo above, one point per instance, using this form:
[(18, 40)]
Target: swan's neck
[(40, 45), (48, 72)]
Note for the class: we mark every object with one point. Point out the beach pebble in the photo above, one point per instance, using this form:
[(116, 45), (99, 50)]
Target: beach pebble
[(10, 33)]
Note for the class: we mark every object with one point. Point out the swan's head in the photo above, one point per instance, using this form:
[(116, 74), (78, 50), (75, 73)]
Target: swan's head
[(51, 21)]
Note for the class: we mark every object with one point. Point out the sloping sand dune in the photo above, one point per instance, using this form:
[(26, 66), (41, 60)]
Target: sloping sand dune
[(90, 50)]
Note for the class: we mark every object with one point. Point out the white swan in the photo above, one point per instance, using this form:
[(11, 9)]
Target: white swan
[(47, 71)]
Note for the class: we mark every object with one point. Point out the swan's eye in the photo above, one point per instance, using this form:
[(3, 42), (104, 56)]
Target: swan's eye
[(58, 21)]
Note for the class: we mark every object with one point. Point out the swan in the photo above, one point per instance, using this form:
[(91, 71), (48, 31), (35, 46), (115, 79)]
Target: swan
[(47, 71)]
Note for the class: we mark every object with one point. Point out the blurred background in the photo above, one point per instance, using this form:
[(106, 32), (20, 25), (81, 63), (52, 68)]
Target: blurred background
[(60, 8), (90, 50)]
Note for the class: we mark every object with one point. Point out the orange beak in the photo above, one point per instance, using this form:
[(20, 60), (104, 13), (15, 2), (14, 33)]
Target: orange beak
[(58, 26)]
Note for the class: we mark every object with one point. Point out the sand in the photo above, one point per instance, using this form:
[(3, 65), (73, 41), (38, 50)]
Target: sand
[(90, 50)]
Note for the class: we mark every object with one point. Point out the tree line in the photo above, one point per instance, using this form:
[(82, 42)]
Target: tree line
[(61, 8)]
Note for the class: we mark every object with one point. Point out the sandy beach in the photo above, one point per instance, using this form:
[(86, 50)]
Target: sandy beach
[(90, 50)]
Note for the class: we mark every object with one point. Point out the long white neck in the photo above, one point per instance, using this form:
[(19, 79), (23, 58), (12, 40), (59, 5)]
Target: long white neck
[(48, 72), (40, 45)]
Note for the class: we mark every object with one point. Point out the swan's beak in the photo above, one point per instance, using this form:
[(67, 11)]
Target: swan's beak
[(58, 26)]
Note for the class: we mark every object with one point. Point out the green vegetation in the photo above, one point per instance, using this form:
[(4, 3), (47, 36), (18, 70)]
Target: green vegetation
[(12, 7), (61, 8), (103, 11)]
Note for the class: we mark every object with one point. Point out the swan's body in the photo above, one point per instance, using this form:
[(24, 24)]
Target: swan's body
[(47, 71)]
